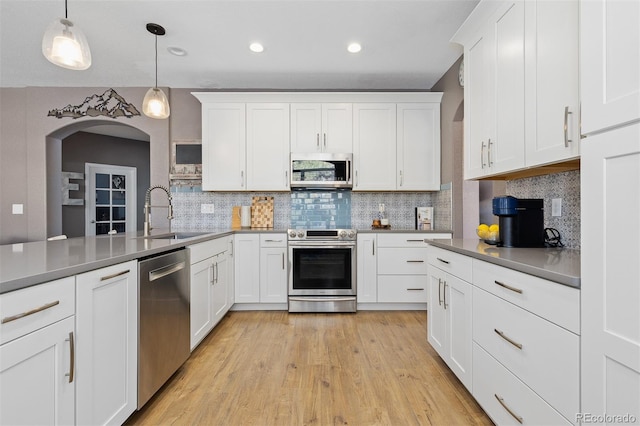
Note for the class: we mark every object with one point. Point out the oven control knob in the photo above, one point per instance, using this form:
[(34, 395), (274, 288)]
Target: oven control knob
[(352, 234), (292, 234), (342, 234), (300, 234)]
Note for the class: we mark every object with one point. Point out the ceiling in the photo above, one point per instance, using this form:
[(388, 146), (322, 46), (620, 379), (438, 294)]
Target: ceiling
[(405, 44)]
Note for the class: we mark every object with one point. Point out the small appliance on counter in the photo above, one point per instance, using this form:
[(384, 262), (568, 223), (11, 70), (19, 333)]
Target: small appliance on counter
[(521, 221)]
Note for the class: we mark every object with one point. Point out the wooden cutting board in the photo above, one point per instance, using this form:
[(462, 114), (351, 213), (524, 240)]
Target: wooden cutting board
[(235, 218), (262, 212)]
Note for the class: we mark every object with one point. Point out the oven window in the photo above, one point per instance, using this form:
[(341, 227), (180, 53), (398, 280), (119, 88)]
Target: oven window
[(322, 268)]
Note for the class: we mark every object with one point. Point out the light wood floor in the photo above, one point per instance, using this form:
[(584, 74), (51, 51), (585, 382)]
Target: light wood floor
[(276, 368)]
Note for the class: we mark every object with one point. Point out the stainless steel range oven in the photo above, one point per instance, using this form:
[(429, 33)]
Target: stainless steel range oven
[(322, 270)]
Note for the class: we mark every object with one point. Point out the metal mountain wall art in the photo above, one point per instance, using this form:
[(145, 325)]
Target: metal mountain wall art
[(109, 104)]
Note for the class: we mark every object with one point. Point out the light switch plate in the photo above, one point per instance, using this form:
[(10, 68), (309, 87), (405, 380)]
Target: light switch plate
[(207, 209), (556, 207), (17, 209)]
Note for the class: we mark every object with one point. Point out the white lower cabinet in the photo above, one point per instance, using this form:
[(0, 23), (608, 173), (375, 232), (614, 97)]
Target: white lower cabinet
[(261, 270), (210, 276), (449, 322), (367, 269), (107, 344), (37, 369)]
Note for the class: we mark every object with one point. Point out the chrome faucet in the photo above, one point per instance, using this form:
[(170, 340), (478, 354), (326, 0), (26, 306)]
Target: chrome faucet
[(147, 208)]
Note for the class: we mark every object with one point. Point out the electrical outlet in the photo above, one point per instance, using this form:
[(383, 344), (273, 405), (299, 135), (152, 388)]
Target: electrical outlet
[(556, 207), (207, 209), (17, 209)]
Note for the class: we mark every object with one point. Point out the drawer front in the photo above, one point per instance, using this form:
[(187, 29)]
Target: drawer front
[(454, 263), (273, 240), (403, 240), (548, 360), (492, 381), (402, 288), (41, 305), (199, 252), (400, 261), (555, 302)]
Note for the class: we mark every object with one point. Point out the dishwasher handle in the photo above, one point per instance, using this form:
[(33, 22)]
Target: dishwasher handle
[(156, 274)]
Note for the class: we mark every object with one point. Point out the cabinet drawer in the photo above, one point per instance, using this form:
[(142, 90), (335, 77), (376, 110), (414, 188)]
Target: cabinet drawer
[(548, 360), (409, 261), (492, 381), (402, 288), (201, 251), (555, 302), (273, 240), (454, 263), (402, 240), (32, 308)]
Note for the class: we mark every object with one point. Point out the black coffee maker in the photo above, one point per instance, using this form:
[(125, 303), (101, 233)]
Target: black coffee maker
[(521, 221)]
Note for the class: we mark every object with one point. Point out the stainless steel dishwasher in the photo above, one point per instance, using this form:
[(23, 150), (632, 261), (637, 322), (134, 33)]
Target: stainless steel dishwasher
[(163, 320)]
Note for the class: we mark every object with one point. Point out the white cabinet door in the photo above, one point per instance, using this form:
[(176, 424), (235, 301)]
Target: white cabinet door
[(37, 382), (220, 287), (337, 128), (374, 146), (367, 274), (201, 278), (418, 147), (107, 344), (437, 319), (306, 127), (273, 275), (223, 147), (505, 148), (610, 68), (247, 268), (457, 304), (268, 146), (610, 294), (552, 91)]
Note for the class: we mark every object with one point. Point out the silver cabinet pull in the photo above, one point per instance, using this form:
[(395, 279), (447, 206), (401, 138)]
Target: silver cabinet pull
[(117, 274), (283, 261), (401, 180), (318, 141), (31, 312), (325, 141), (373, 247), (439, 292), (272, 241), (444, 296), (356, 177), (514, 343), (489, 153), (504, 405), (416, 241), (241, 178), (442, 260), (482, 156), (286, 177), (165, 270), (415, 261), (72, 357), (213, 274), (566, 126), (508, 287), (415, 289)]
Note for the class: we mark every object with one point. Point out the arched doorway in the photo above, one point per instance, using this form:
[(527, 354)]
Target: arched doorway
[(90, 141)]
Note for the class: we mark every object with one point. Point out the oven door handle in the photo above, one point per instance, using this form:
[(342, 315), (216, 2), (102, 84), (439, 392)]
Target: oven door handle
[(321, 298)]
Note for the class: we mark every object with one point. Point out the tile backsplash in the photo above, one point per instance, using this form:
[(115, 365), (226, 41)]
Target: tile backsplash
[(313, 208), (564, 185)]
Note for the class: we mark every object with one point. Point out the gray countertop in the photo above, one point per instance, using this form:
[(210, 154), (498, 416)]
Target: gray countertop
[(555, 264), (401, 231)]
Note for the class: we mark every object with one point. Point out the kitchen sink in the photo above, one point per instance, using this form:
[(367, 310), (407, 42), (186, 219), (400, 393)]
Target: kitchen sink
[(175, 236)]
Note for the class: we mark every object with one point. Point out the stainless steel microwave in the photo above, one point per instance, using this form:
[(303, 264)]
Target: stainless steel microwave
[(321, 170)]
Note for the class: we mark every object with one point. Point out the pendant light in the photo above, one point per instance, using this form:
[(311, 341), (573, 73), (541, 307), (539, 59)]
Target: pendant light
[(155, 103), (65, 45)]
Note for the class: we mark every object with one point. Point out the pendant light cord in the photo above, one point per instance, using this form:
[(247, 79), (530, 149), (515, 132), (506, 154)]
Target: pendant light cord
[(156, 60), (65, 10)]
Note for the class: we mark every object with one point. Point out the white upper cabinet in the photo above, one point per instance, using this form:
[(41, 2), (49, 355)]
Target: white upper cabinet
[(418, 146), (326, 127), (515, 120), (610, 69), (552, 81), (268, 146), (223, 147), (374, 146)]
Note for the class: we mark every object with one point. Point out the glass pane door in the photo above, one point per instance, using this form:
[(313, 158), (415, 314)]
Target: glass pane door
[(111, 210)]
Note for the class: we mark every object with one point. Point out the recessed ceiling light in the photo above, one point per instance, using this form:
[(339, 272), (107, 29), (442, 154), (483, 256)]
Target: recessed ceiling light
[(177, 51), (256, 47), (354, 47)]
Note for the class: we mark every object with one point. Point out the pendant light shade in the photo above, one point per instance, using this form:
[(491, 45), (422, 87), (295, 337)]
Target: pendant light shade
[(65, 45), (155, 103)]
